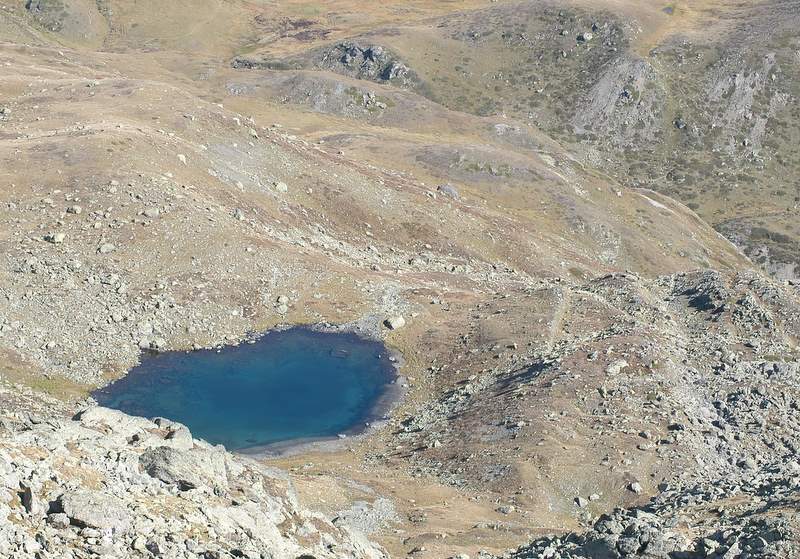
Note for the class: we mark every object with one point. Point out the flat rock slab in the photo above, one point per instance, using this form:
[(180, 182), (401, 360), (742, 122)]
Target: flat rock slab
[(94, 509), (187, 469)]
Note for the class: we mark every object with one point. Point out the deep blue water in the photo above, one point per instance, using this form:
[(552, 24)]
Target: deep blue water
[(293, 384)]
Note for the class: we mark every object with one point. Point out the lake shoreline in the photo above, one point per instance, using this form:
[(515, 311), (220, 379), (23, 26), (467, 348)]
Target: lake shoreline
[(293, 447), (389, 395), (378, 417)]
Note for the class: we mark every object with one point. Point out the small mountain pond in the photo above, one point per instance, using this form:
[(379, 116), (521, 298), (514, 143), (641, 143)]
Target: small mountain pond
[(292, 385)]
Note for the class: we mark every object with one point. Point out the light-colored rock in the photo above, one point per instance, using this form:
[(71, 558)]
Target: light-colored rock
[(55, 238), (616, 367), (395, 322), (95, 509), (187, 469), (448, 190), (179, 436), (113, 422), (58, 520)]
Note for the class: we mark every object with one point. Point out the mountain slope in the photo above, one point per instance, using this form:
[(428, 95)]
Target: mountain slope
[(537, 189)]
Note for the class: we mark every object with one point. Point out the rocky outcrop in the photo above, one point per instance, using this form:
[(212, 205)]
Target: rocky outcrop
[(349, 58), (366, 62), (110, 485), (95, 509), (617, 108), (753, 519), (187, 469)]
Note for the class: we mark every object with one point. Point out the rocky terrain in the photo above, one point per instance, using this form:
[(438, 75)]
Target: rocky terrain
[(577, 222), (106, 484)]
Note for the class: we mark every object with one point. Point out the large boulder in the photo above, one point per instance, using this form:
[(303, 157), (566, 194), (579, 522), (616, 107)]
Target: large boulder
[(113, 422), (94, 509), (188, 469), (136, 431), (395, 322)]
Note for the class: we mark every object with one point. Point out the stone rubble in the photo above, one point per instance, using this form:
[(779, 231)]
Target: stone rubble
[(105, 484), (753, 517)]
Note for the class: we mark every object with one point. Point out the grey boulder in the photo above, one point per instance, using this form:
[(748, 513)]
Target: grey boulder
[(186, 468), (93, 509)]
